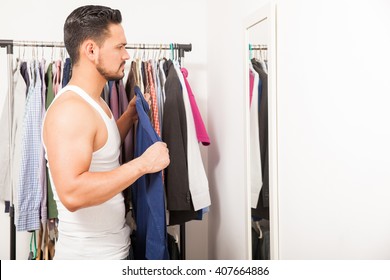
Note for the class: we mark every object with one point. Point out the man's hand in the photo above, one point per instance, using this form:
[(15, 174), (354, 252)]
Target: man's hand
[(156, 157), (131, 109)]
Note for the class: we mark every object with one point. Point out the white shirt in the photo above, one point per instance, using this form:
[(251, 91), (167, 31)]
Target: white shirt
[(254, 154), (198, 183)]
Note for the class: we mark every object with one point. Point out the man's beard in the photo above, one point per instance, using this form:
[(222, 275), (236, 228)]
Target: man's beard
[(108, 76)]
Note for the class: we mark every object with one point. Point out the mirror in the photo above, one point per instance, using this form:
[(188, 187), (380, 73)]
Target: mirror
[(259, 34)]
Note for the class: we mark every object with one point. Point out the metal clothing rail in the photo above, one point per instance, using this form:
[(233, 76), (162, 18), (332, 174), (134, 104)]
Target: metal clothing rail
[(9, 45), (258, 47), (182, 48)]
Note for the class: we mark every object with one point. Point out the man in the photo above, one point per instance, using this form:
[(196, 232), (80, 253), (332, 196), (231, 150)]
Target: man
[(82, 142)]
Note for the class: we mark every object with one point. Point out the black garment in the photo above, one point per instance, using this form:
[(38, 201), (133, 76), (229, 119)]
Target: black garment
[(130, 93), (130, 256), (131, 81), (261, 246), (24, 72), (262, 209), (256, 245), (173, 248), (181, 217), (174, 134)]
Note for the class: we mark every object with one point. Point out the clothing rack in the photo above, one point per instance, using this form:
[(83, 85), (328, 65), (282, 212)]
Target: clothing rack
[(9, 45), (258, 47), (181, 48)]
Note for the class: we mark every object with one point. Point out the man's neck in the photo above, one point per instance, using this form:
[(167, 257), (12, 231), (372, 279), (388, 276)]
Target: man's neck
[(92, 83)]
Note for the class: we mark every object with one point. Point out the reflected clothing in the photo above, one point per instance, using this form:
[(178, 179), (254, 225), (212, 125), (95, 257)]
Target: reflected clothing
[(263, 129), (256, 178), (148, 195), (262, 208)]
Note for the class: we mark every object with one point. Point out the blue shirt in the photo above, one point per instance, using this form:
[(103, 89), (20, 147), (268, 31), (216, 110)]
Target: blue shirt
[(148, 194)]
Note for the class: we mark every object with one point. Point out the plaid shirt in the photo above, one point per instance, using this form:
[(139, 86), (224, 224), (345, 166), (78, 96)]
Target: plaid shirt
[(156, 122), (29, 187)]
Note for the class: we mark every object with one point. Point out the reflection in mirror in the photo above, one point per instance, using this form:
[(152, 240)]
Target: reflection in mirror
[(258, 40)]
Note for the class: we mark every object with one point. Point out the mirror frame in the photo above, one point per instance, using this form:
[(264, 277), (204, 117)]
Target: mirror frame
[(266, 12)]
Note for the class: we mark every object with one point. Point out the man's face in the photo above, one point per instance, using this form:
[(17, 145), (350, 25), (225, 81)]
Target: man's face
[(113, 54)]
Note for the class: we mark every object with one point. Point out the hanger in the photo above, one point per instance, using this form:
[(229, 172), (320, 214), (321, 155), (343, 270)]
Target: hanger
[(157, 53), (43, 51), (52, 53), (62, 54), (143, 52), (176, 237), (172, 51), (135, 53), (33, 50), (257, 223)]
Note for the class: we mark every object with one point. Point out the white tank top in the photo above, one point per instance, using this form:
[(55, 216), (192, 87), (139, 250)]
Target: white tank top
[(96, 232)]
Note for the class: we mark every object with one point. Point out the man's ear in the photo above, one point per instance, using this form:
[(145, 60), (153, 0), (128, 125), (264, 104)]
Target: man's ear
[(89, 49)]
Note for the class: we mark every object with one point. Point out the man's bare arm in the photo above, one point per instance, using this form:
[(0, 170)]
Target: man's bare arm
[(69, 143)]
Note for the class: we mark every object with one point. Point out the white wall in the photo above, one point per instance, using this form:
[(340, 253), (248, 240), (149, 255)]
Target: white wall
[(148, 21), (333, 114)]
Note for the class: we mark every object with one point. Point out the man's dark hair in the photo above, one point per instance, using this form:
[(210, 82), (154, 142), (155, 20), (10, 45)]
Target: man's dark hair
[(88, 22)]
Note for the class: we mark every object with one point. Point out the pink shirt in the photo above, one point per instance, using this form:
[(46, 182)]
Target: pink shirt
[(251, 81), (201, 132)]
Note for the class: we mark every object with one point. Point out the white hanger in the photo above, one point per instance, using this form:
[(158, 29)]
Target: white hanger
[(257, 223)]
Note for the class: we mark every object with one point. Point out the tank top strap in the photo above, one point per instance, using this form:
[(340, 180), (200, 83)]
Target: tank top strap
[(86, 97)]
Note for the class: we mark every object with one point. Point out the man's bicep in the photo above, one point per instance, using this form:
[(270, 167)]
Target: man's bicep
[(69, 144)]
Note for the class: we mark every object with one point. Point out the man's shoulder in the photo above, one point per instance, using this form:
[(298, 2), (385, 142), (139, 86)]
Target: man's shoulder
[(70, 103), (69, 108)]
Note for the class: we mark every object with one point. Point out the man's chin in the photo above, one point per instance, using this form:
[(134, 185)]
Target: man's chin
[(115, 78)]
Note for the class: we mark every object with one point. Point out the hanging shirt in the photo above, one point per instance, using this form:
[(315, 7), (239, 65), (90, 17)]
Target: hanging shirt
[(262, 209), (51, 204), (19, 99), (67, 72), (42, 161), (201, 131), (156, 123), (127, 153), (174, 134), (114, 100), (5, 147), (57, 76), (25, 74), (256, 179), (161, 94), (148, 195), (29, 187), (198, 183), (131, 81), (251, 81), (100, 231)]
